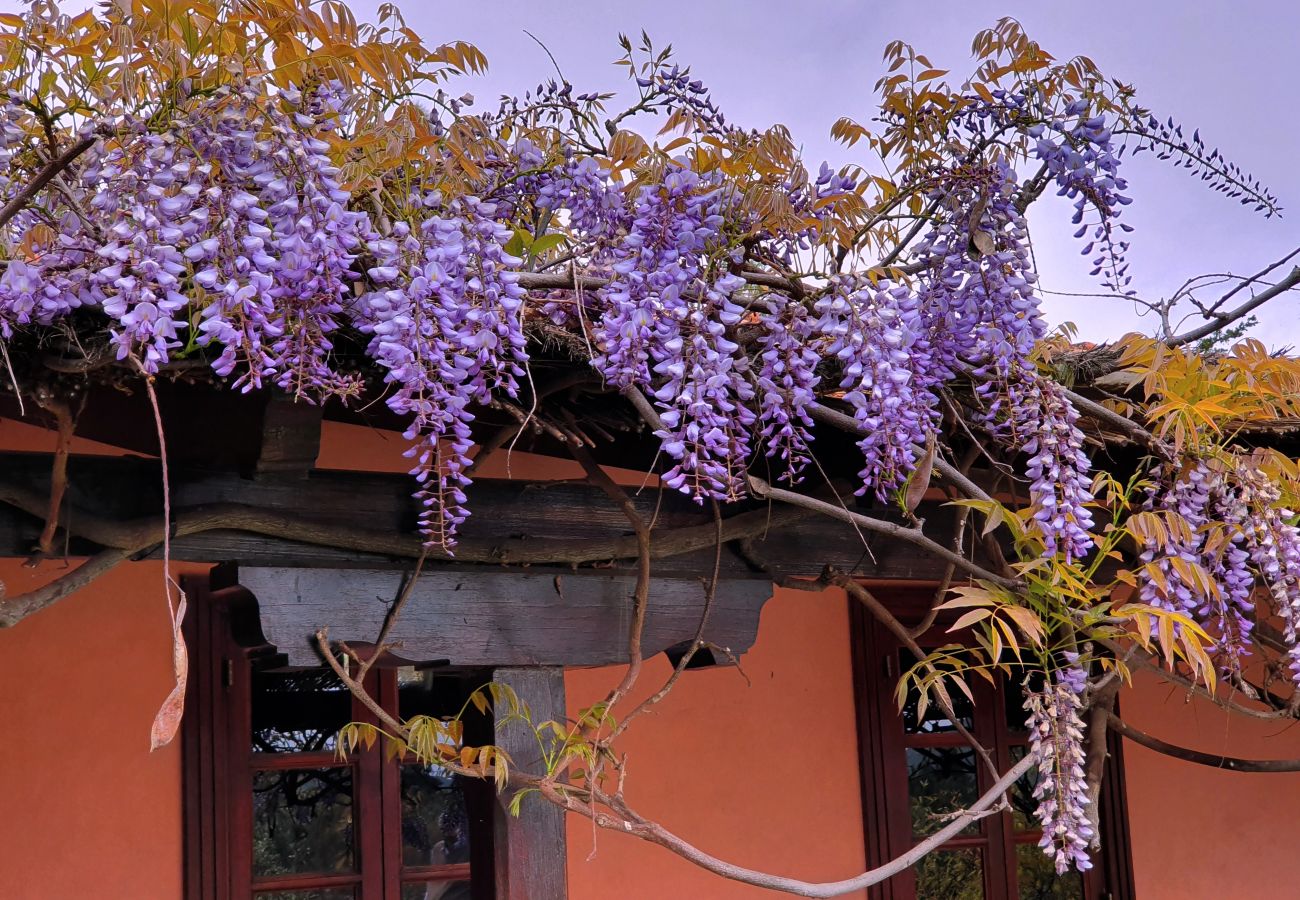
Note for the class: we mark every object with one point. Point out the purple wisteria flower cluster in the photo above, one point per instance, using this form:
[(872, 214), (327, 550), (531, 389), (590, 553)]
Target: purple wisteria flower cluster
[(888, 372), (447, 326), (1061, 789), (981, 314), (1084, 164)]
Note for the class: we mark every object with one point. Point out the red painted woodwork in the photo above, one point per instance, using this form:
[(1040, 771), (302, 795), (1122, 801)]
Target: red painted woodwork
[(884, 743)]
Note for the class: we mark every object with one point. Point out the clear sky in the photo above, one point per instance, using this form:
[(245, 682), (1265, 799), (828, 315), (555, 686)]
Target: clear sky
[(1230, 69)]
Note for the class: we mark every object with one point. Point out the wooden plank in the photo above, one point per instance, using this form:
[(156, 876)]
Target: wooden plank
[(508, 517), (491, 617), (530, 849)]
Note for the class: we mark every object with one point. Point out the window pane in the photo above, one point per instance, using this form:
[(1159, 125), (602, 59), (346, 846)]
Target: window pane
[(302, 821), (428, 692), (296, 712), (940, 780), (436, 890), (1023, 803), (950, 875), (935, 722), (338, 893), (1038, 880), (435, 826)]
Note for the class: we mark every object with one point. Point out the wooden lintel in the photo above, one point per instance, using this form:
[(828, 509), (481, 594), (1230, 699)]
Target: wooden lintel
[(509, 520), (494, 617)]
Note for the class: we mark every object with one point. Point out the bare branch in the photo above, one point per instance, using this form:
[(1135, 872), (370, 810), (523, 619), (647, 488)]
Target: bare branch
[(912, 535), (43, 177), (1213, 760), (950, 473), (899, 630), (1221, 319)]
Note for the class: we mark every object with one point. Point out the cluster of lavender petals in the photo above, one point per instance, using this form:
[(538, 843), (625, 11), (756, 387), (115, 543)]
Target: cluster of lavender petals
[(981, 313), (235, 211), (447, 326), (1056, 743), (663, 323), (1208, 524), (787, 380), (888, 372), (1059, 487), (231, 230), (1084, 164), (1273, 543)]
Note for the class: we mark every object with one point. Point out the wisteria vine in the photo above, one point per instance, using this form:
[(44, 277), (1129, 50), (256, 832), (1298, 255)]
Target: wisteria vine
[(223, 227)]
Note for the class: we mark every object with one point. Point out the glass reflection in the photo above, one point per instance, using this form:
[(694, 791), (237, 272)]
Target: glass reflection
[(298, 712), (302, 821), (935, 721), (939, 781), (436, 890), (1023, 803), (435, 825), (1037, 878), (344, 893), (951, 875)]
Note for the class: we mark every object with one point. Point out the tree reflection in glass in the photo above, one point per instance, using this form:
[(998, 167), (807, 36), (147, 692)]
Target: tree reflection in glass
[(940, 780), (950, 875), (302, 821), (298, 712)]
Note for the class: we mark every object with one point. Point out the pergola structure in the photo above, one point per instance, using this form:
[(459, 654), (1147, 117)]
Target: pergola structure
[(542, 578)]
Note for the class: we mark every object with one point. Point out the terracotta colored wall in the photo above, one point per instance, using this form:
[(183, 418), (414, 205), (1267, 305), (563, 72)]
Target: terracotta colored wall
[(1202, 834), (85, 809), (763, 774)]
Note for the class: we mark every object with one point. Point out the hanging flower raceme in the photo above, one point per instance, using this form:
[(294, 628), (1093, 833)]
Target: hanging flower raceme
[(1059, 488), (1056, 742), (1196, 563), (978, 289), (786, 381), (981, 311), (663, 325), (1273, 544), (447, 326), (1085, 166), (888, 373)]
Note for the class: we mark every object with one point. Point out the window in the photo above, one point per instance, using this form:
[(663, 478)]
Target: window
[(916, 768), (273, 813)]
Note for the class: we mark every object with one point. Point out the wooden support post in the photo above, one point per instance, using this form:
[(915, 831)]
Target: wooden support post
[(530, 848), (290, 437)]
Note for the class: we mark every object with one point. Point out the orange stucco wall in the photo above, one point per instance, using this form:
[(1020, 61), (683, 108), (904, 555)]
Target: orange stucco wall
[(1202, 834), (85, 809), (763, 773), (760, 772)]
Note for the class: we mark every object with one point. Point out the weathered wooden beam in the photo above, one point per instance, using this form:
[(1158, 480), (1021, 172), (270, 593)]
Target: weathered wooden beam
[(530, 848), (511, 521), (290, 437), (489, 617)]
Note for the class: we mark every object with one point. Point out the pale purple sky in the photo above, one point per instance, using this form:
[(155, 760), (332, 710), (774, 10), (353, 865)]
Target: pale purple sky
[(1229, 69)]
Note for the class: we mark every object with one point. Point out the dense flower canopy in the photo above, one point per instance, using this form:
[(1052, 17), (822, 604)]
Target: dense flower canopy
[(267, 191)]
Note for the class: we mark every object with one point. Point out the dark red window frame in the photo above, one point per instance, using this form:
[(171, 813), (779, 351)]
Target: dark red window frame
[(882, 748), (226, 648)]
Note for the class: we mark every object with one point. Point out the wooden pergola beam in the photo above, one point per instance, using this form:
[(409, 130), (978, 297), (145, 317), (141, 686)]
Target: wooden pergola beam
[(368, 520)]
